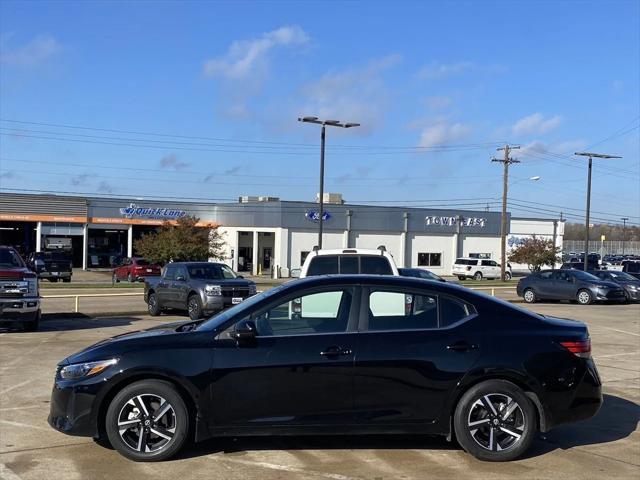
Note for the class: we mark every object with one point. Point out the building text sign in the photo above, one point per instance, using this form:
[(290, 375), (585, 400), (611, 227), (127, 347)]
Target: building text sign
[(133, 211), (451, 221)]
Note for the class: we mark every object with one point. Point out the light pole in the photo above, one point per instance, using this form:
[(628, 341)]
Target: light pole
[(586, 222), (624, 232), (331, 123)]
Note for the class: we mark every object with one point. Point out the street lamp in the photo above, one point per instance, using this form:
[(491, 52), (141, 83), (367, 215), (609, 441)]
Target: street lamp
[(624, 232), (586, 222), (331, 123)]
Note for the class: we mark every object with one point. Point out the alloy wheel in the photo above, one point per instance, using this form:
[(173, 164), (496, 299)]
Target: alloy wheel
[(496, 422), (529, 296), (584, 297), (147, 423)]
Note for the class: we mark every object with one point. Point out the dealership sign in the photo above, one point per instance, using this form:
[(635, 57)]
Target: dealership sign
[(133, 211), (314, 216), (450, 221)]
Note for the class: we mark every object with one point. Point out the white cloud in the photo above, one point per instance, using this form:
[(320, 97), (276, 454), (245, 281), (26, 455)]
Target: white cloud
[(437, 70), (442, 133), (246, 56), (171, 161), (357, 94), (537, 147), (438, 102), (536, 124), (31, 54)]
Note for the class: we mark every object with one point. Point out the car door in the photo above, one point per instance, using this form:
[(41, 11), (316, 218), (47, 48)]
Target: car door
[(487, 267), (413, 348), (180, 288), (564, 285), (163, 287), (543, 284), (297, 370)]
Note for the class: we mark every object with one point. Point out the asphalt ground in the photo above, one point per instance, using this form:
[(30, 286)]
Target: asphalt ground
[(606, 446)]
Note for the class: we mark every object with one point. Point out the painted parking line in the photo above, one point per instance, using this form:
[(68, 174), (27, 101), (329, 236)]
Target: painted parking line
[(591, 327), (13, 387), (284, 468)]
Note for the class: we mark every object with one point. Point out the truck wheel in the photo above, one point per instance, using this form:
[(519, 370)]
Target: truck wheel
[(477, 276), (153, 306), (194, 307), (32, 325)]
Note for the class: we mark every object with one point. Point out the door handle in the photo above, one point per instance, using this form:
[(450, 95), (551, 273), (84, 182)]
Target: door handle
[(335, 351), (461, 346)]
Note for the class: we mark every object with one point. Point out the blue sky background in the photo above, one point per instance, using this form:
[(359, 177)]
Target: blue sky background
[(200, 99)]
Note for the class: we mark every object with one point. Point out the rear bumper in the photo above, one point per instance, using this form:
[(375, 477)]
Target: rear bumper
[(19, 309), (54, 275)]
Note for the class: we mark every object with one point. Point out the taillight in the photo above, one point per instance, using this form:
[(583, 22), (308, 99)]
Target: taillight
[(580, 348)]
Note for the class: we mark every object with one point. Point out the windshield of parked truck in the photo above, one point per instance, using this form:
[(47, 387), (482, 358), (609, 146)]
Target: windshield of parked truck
[(211, 271), (10, 259)]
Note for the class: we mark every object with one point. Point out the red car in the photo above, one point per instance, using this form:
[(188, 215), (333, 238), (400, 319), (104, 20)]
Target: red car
[(135, 269)]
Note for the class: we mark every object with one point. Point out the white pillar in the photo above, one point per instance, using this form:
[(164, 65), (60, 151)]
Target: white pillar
[(39, 237), (235, 245), (130, 241), (403, 251), (254, 259), (85, 245), (276, 258)]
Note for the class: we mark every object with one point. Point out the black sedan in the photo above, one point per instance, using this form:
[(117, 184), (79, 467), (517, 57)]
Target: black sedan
[(629, 283), (573, 285), (336, 354), (420, 273)]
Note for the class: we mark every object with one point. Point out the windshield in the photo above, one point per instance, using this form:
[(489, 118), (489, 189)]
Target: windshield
[(584, 276), (9, 258), (220, 318), (211, 271), (622, 276)]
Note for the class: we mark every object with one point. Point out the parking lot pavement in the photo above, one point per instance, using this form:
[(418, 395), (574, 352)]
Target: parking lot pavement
[(606, 446)]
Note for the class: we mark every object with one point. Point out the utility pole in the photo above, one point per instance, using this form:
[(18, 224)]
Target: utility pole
[(586, 222), (624, 232), (506, 161)]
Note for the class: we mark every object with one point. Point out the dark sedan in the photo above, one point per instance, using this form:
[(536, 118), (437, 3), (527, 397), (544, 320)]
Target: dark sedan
[(420, 273), (350, 354), (573, 285), (629, 283)]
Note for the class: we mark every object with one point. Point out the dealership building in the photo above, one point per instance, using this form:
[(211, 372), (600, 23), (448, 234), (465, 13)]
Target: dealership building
[(263, 235)]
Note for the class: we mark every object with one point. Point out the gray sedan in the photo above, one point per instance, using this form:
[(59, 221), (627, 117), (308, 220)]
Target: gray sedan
[(573, 285), (629, 283)]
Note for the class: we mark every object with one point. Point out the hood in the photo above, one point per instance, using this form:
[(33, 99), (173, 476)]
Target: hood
[(236, 282), (606, 284), (113, 346), (15, 273)]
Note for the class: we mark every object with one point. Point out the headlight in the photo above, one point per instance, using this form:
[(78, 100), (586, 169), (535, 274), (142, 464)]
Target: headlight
[(78, 370), (213, 290), (33, 285), (252, 289)]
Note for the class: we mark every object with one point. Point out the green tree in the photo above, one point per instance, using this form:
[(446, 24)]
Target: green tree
[(535, 253), (181, 241)]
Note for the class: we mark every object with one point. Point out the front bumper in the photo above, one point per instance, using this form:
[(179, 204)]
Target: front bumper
[(215, 303), (610, 295), (71, 410), (19, 309), (633, 295)]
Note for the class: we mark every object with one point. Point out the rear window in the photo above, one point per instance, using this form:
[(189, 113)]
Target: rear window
[(349, 264), (375, 266), (633, 267), (323, 265), (142, 261), (464, 261)]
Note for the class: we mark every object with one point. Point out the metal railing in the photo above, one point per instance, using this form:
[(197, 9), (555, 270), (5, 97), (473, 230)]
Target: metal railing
[(94, 295)]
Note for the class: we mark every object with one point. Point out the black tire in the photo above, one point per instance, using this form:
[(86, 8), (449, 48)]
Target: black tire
[(477, 276), (482, 420), (194, 307), (153, 306), (32, 325), (584, 297), (66, 280), (529, 295), (129, 278), (114, 279), (162, 437), (460, 277), (507, 276)]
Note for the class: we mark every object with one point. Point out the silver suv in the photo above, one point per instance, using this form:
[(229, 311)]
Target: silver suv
[(478, 268)]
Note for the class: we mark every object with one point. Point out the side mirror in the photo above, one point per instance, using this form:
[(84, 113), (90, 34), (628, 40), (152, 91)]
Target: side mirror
[(245, 333)]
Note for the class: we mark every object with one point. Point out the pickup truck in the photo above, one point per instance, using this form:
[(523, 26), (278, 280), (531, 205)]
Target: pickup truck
[(200, 288), (19, 297), (52, 265)]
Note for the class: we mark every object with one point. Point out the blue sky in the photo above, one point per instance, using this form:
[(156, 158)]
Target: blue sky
[(200, 99)]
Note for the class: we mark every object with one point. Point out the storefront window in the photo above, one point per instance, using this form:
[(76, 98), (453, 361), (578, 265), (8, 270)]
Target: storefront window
[(429, 259)]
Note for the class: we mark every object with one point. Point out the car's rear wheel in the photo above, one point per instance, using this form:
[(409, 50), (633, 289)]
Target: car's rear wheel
[(147, 421), (153, 306), (507, 276), (460, 277), (495, 421), (194, 307), (529, 296), (584, 297), (114, 279), (477, 276)]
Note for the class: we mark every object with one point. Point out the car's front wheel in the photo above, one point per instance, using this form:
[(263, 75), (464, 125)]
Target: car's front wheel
[(147, 421), (529, 296), (194, 307), (153, 306), (495, 421), (584, 297)]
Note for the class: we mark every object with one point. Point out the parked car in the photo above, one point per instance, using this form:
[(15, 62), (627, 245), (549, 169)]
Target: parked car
[(579, 266), (19, 293), (478, 268), (51, 265), (574, 285), (349, 261), (135, 269), (632, 267), (200, 288), (420, 273), (484, 370), (629, 283)]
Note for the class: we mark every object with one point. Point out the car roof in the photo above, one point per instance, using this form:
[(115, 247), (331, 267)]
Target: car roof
[(195, 263), (384, 280)]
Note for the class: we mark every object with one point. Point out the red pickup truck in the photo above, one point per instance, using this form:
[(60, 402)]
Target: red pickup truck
[(19, 295), (135, 269)]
